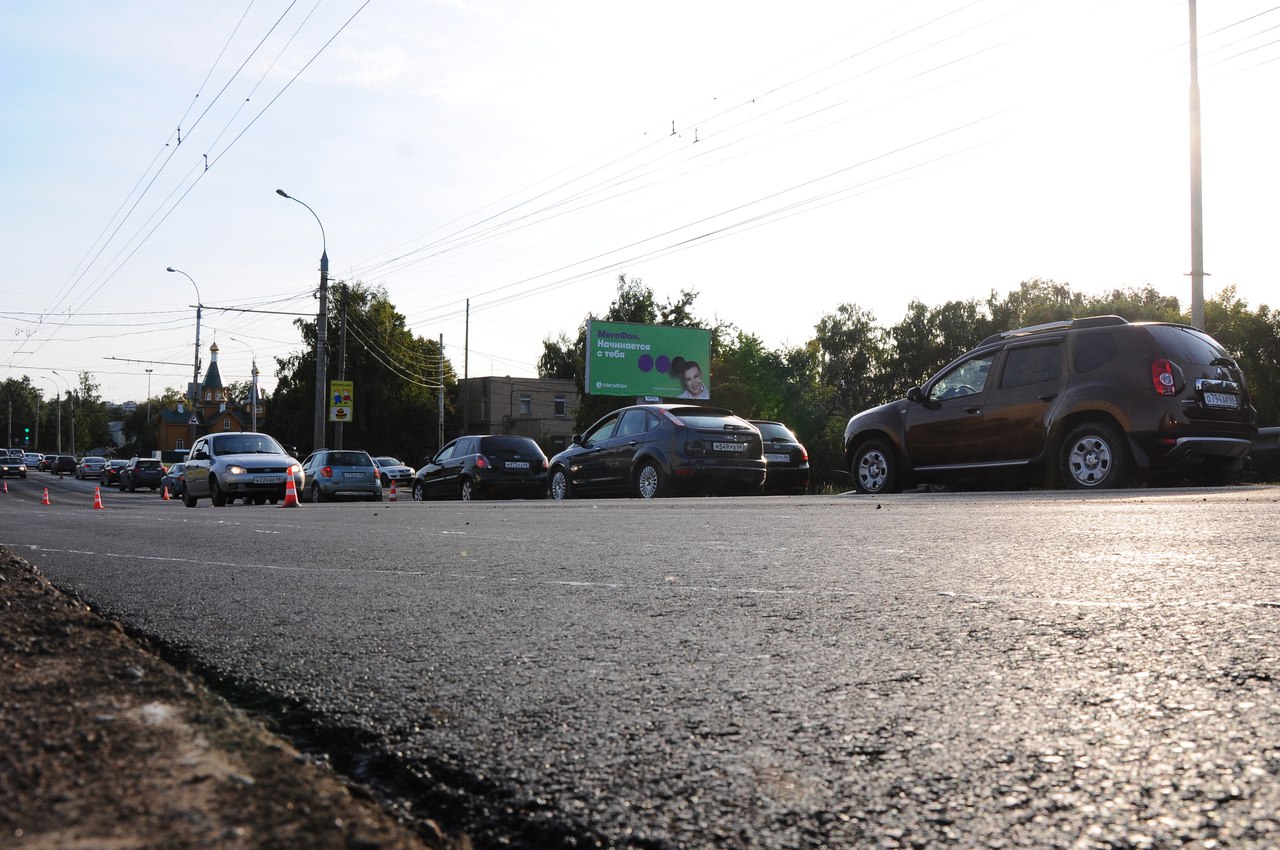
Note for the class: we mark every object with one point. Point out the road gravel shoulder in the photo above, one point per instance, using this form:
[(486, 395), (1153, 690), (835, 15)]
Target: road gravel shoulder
[(108, 745)]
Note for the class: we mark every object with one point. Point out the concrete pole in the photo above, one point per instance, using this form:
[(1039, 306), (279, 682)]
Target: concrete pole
[(1197, 212)]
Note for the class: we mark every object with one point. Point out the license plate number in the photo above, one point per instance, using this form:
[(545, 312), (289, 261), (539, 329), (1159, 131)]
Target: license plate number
[(517, 464), (353, 475), (1222, 400), (729, 447), (777, 458), (268, 479)]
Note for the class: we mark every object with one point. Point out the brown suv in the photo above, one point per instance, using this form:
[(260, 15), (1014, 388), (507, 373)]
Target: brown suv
[(1088, 403)]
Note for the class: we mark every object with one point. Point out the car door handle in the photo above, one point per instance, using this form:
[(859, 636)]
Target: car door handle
[(973, 410), (1049, 397)]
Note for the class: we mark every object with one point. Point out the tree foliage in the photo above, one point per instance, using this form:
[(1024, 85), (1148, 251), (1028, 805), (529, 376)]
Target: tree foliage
[(396, 376)]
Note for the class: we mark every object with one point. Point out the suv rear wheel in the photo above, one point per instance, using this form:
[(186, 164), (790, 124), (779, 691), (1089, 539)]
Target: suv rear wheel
[(1093, 457), (874, 468)]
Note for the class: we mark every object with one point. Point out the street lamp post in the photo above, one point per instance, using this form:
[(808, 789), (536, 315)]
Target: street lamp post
[(149, 400), (195, 374), (253, 393), (72, 399), (322, 330), (58, 433)]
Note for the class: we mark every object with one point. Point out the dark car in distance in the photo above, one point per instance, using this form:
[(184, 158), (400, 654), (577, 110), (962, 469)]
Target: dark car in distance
[(1089, 403), (62, 465), (484, 466), (173, 479), (141, 472), (785, 457), (111, 472), (650, 450)]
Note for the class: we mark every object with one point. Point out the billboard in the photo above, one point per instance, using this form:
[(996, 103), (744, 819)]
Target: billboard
[(342, 407), (647, 360)]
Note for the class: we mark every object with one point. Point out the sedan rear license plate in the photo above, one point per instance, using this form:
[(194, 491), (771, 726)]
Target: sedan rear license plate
[(1222, 400), (268, 479), (517, 464), (778, 458), (729, 447)]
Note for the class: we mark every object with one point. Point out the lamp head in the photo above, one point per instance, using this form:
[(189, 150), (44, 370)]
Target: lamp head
[(170, 269), (282, 193)]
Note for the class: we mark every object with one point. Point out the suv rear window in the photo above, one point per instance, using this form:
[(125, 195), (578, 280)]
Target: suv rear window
[(1186, 345), (147, 464)]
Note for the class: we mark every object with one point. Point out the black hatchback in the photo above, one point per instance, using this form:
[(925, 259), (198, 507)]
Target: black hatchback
[(786, 457), (484, 466), (650, 450), (141, 472)]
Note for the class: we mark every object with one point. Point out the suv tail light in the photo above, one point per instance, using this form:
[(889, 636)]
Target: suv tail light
[(482, 462), (326, 472), (1162, 377)]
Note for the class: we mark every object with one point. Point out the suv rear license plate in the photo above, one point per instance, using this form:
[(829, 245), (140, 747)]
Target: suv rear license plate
[(517, 464), (729, 447), (353, 475), (1222, 400), (268, 479)]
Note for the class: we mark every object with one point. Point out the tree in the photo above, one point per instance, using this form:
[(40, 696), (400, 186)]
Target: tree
[(396, 377), (1253, 338), (19, 403)]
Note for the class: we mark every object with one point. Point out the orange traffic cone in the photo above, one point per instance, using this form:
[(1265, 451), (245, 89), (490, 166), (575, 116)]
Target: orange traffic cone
[(45, 500), (164, 495), (290, 493), (6, 486), (97, 499), (393, 491)]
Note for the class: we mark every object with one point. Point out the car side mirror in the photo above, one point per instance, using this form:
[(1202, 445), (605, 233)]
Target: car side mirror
[(577, 440), (915, 394)]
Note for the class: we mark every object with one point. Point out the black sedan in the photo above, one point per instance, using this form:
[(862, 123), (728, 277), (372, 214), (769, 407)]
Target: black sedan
[(650, 450), (787, 459), (484, 466), (111, 472)]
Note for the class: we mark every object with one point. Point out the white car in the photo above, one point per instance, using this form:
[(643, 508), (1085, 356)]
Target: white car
[(390, 469)]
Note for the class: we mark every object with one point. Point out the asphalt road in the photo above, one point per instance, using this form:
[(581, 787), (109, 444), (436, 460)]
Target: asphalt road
[(972, 670)]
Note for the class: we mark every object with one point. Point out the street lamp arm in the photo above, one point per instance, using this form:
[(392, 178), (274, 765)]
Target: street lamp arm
[(199, 303), (324, 244)]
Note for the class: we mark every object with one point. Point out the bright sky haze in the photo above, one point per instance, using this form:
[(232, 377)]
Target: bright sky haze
[(778, 159)]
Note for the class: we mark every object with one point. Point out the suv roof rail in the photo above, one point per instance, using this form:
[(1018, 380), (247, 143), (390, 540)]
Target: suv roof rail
[(1060, 325)]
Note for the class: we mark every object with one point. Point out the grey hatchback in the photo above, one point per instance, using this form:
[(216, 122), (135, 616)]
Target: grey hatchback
[(341, 472)]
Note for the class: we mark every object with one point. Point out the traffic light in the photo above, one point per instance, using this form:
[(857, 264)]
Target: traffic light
[(26, 435)]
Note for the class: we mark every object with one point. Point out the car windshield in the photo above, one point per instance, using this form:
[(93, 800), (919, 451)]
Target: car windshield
[(246, 444), (387, 461), (147, 464), (695, 418), (508, 446)]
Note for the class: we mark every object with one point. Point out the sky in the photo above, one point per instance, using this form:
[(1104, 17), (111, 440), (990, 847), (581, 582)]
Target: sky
[(779, 160)]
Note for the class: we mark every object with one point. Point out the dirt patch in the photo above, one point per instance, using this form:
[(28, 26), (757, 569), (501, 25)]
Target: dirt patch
[(108, 746)]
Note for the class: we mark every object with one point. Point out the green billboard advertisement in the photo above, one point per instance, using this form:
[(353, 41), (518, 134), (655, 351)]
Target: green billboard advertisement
[(647, 360)]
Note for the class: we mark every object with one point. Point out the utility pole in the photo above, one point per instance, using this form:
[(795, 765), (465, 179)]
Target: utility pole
[(1197, 211), (440, 426), (466, 372), (342, 358)]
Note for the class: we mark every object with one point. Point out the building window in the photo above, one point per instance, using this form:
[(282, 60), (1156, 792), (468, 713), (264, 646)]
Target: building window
[(526, 405), (208, 396), (226, 424), (562, 407), (180, 444)]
